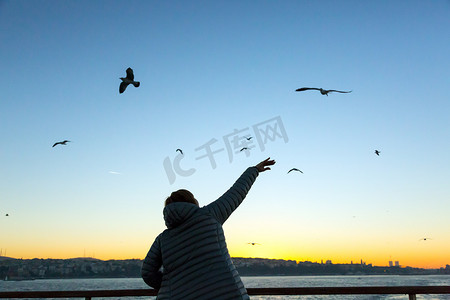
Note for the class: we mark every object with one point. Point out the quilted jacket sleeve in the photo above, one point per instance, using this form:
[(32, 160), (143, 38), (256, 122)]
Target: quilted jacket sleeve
[(222, 208), (151, 266)]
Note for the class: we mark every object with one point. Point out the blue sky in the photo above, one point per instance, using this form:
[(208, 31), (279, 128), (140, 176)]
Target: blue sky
[(207, 68)]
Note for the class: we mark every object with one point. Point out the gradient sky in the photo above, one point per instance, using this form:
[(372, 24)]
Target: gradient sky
[(208, 68)]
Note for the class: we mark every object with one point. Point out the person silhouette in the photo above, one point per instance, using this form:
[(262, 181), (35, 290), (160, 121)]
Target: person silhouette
[(190, 259)]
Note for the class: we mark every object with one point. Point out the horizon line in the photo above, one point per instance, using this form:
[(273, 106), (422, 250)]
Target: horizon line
[(296, 261)]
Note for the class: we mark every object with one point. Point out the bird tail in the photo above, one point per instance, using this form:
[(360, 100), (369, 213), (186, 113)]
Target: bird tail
[(136, 83)]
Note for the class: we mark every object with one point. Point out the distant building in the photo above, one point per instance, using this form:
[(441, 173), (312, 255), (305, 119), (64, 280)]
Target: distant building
[(328, 262), (397, 263), (391, 264)]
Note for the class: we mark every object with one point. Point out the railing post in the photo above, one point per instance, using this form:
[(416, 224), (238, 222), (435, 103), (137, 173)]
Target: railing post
[(412, 297)]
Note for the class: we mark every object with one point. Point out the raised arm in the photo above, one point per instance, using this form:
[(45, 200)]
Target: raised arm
[(151, 266), (222, 208)]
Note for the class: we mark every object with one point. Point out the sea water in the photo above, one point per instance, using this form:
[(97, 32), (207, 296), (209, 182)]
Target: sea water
[(250, 282)]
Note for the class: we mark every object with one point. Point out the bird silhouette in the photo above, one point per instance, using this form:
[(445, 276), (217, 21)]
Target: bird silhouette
[(424, 239), (253, 244), (245, 148), (249, 138), (7, 215), (377, 152), (322, 91), (127, 80), (295, 169), (60, 143), (181, 151)]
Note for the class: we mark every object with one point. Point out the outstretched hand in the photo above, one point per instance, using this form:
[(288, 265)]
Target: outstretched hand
[(263, 166)]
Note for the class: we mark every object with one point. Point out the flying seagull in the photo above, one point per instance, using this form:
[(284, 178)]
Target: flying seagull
[(377, 152), (322, 91), (424, 239), (253, 244), (127, 80), (60, 143), (7, 215), (295, 169), (249, 138), (245, 148), (181, 151)]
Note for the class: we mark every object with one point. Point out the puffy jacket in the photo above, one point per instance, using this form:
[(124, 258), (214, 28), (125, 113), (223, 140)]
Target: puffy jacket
[(190, 259)]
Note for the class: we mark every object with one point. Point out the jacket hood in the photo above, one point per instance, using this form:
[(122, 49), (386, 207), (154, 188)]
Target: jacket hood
[(178, 212)]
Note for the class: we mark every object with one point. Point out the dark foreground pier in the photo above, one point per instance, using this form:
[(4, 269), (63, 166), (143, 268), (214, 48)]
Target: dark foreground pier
[(411, 291)]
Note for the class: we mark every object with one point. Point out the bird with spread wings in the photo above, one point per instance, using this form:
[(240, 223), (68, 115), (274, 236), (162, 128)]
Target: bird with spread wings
[(322, 91), (61, 143), (128, 80)]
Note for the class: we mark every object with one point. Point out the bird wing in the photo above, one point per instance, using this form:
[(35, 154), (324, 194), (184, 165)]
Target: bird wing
[(339, 91), (130, 74), (55, 144), (122, 87), (305, 89)]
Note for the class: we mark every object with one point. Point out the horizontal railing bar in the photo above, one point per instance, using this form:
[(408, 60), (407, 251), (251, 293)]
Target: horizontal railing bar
[(76, 294), (359, 290), (351, 290)]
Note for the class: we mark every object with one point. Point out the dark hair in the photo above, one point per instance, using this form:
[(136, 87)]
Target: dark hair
[(181, 196)]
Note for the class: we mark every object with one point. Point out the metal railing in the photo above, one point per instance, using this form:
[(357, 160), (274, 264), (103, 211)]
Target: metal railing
[(411, 291)]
